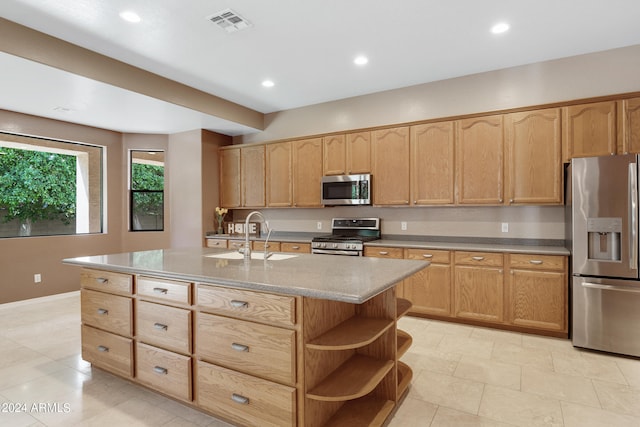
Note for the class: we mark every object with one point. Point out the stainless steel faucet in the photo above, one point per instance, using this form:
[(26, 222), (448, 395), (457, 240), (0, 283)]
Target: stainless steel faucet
[(247, 247)]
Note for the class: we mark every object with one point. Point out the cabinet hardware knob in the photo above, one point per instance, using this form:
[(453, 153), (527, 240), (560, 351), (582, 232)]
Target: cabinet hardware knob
[(103, 349), (535, 261), (160, 290), (160, 326), (239, 347), (160, 370), (477, 258), (102, 280), (510, 201), (239, 304), (103, 311), (500, 200), (427, 255), (500, 271), (238, 398)]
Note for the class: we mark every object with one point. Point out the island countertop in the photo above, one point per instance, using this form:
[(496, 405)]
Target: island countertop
[(338, 278)]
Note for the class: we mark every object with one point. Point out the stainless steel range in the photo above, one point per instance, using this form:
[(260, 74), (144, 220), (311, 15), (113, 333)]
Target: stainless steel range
[(347, 237)]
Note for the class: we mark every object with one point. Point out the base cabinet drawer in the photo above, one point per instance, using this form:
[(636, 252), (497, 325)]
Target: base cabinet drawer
[(244, 399), (112, 313), (163, 326), (107, 281), (110, 352), (163, 370), (166, 290), (262, 350)]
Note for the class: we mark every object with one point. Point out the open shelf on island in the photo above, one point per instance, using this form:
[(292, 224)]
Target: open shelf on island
[(404, 377), (366, 411), (404, 342), (404, 305), (355, 378), (353, 333)]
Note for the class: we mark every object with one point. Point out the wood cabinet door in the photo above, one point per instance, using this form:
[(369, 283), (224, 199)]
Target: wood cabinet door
[(538, 299), (278, 167), (631, 125), (479, 293), (590, 129), (253, 173), (334, 155), (307, 172), (534, 170), (390, 149), (429, 290), (359, 152), (479, 160), (432, 164), (230, 178)]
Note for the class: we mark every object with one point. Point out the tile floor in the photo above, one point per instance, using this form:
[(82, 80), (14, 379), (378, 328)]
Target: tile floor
[(463, 376)]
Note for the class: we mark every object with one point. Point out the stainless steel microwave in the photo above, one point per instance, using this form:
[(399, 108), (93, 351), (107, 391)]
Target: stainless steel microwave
[(346, 190)]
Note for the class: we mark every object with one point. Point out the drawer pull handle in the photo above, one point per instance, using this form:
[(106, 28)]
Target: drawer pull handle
[(103, 349), (238, 398), (160, 290), (383, 253), (535, 261), (427, 255), (103, 311), (102, 280), (239, 304), (477, 258), (160, 370), (239, 347), (160, 326), (295, 248)]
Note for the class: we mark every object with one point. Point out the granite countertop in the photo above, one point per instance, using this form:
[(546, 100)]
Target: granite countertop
[(338, 278)]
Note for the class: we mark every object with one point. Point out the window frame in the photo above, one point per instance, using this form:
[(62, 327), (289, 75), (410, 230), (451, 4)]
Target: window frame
[(133, 192)]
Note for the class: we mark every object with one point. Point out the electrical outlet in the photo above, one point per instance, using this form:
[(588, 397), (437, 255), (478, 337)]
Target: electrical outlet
[(505, 227), (403, 226), (37, 278), (319, 225)]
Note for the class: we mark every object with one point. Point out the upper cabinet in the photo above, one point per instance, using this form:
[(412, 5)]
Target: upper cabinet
[(252, 176), (533, 167), (590, 129), (347, 154), (230, 178), (432, 164), (479, 157), (390, 161), (278, 174), (631, 125), (307, 172)]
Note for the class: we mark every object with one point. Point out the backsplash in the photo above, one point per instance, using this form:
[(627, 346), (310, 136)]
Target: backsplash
[(523, 222)]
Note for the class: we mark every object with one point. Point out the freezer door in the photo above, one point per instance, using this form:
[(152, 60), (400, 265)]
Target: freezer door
[(606, 315), (604, 216)]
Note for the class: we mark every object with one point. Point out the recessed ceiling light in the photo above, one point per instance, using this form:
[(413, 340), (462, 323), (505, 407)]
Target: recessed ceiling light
[(268, 83), (130, 16), (500, 28), (361, 60)]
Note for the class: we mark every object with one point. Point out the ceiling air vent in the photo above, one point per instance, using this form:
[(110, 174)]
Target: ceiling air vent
[(229, 21)]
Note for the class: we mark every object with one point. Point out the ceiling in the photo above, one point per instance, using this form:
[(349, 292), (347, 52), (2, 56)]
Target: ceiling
[(305, 47)]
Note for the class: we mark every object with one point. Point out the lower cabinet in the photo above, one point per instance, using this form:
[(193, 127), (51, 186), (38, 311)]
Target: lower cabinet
[(479, 286), (164, 370), (111, 352), (430, 290)]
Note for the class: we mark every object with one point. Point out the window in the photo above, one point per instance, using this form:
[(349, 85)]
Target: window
[(49, 187), (146, 204)]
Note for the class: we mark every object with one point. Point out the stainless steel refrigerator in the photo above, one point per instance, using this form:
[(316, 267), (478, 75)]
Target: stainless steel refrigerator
[(604, 233)]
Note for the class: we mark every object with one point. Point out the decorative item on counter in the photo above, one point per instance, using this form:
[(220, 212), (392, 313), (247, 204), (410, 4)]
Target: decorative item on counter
[(237, 227), (220, 214)]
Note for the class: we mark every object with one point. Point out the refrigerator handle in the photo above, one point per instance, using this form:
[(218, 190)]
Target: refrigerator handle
[(633, 215)]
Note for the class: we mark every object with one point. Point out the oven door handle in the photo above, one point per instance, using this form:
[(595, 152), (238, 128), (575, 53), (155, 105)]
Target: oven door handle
[(336, 252)]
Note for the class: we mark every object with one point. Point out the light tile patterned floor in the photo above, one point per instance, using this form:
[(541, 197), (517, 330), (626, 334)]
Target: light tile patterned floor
[(463, 376)]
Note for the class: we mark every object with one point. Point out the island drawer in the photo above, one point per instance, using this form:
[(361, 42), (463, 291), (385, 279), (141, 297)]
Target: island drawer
[(258, 306), (165, 290), (265, 351), (435, 256), (488, 259), (383, 252), (166, 327), (165, 371), (112, 313), (295, 247), (107, 281), (107, 351), (537, 262), (244, 399)]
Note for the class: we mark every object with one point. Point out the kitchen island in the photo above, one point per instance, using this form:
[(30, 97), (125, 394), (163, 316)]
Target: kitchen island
[(307, 340)]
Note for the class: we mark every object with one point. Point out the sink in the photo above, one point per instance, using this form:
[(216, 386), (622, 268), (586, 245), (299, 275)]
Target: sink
[(254, 255)]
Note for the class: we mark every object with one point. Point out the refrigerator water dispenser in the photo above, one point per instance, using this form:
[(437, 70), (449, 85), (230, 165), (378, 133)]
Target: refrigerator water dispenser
[(604, 238)]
